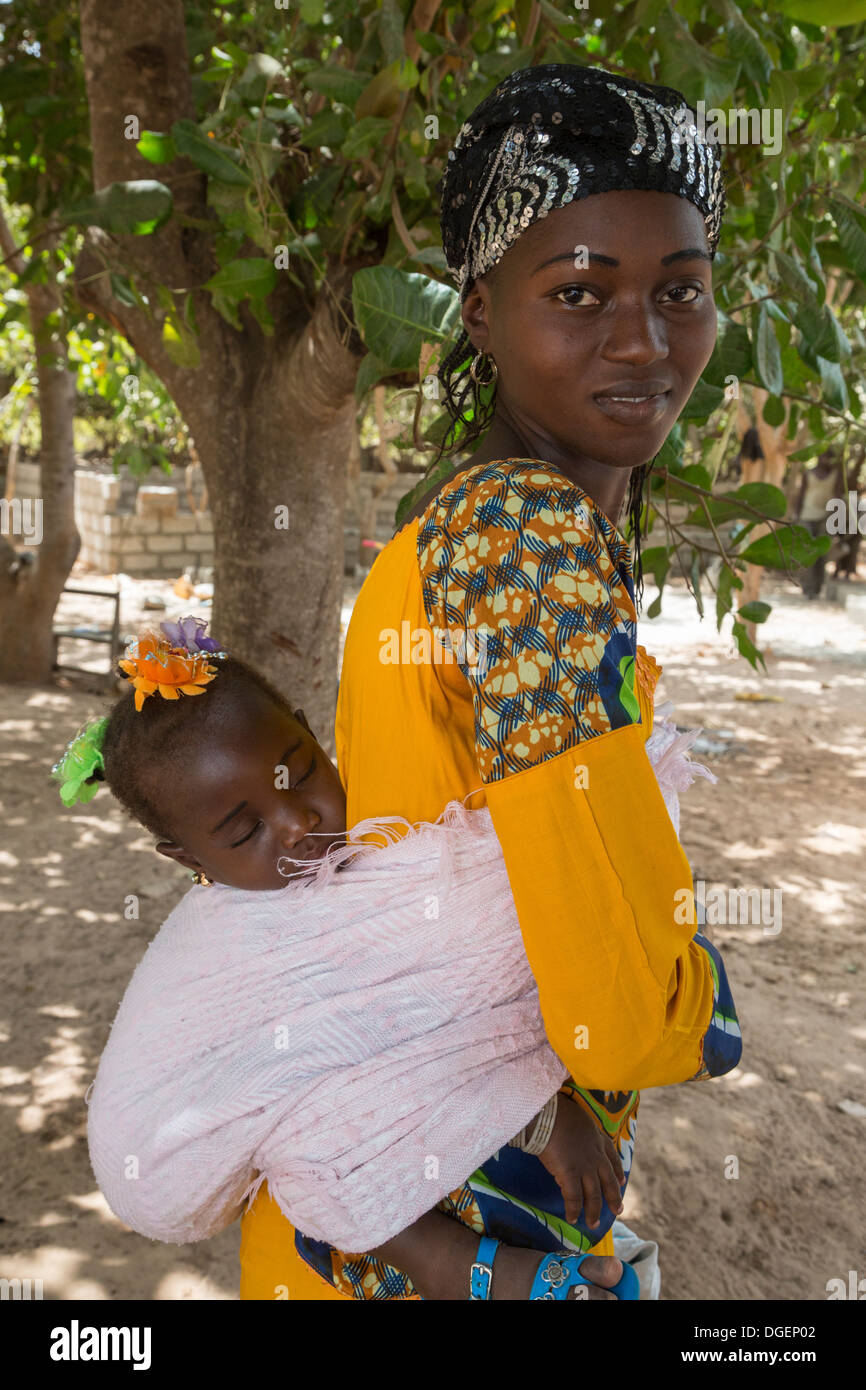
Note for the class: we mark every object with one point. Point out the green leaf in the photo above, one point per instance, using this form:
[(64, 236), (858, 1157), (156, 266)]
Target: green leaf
[(732, 355), (286, 113), (832, 12), (747, 47), (811, 79), (135, 208), (656, 560), (180, 344), (159, 149), (702, 402), (217, 161), (782, 93), (382, 94), (741, 505), (379, 206), (338, 83), (259, 75), (431, 255), (315, 198), (178, 339), (689, 66), (774, 411), (444, 469), (669, 456), (248, 277), (390, 30), (754, 612), (794, 370), (667, 482), (818, 333), (833, 384), (123, 291), (794, 278), (789, 547), (263, 316), (231, 55), (746, 646), (329, 128), (836, 344), (371, 371), (431, 43), (852, 236), (364, 136), (766, 208), (20, 80), (728, 581), (767, 354), (397, 310)]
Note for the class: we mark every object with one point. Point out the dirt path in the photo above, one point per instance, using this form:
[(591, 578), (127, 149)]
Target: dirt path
[(789, 812)]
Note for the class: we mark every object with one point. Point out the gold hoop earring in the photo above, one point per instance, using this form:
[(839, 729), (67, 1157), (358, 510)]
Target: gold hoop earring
[(202, 879), (474, 366)]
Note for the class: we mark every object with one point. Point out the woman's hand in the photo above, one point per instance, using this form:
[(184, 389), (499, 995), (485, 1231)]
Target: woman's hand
[(585, 1164)]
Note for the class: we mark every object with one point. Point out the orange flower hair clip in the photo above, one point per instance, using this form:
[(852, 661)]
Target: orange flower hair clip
[(173, 664)]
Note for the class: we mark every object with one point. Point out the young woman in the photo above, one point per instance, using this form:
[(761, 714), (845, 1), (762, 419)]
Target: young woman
[(581, 212)]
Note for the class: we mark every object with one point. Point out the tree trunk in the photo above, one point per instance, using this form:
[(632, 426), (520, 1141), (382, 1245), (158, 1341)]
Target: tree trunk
[(31, 583), (272, 418), (769, 469), (275, 469)]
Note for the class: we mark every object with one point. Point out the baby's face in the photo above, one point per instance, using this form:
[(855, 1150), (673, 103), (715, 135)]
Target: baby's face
[(262, 790)]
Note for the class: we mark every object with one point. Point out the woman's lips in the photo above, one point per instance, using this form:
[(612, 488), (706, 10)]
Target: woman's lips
[(631, 411)]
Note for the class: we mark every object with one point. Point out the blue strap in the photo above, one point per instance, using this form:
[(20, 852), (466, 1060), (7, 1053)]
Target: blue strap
[(558, 1273), (481, 1274)]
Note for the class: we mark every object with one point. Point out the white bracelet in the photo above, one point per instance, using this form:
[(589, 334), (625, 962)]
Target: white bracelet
[(539, 1139)]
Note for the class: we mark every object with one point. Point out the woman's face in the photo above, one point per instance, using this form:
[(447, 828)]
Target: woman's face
[(637, 319)]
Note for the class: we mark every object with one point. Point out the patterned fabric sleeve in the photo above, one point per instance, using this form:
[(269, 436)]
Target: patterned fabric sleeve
[(722, 1043), (530, 586)]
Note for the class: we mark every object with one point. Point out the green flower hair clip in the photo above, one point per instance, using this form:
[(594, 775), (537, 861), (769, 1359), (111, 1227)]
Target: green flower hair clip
[(81, 768)]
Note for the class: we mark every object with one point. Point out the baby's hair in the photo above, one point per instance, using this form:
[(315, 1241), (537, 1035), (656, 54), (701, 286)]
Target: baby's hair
[(141, 746)]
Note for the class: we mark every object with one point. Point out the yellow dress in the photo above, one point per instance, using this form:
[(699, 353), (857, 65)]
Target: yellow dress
[(492, 656)]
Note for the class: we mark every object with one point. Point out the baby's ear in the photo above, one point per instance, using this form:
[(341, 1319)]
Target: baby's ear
[(179, 854)]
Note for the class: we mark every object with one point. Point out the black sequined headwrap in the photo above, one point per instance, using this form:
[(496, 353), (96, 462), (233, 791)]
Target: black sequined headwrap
[(547, 136)]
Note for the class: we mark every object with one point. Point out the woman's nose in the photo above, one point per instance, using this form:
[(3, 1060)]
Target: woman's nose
[(638, 337)]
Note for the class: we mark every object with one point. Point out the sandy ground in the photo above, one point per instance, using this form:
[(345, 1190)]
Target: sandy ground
[(788, 813)]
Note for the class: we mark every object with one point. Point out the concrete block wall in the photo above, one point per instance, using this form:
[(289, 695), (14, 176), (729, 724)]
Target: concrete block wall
[(145, 527), (358, 506), (27, 479), (157, 539)]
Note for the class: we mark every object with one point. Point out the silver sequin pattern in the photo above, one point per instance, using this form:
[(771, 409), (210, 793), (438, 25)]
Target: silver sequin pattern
[(635, 137)]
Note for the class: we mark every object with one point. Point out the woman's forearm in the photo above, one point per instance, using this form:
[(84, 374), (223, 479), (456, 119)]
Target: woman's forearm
[(437, 1254)]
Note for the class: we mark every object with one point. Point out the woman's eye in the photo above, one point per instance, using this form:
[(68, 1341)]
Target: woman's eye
[(248, 836), (578, 290), (695, 290)]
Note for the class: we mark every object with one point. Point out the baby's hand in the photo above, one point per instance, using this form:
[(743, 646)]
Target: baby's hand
[(585, 1164)]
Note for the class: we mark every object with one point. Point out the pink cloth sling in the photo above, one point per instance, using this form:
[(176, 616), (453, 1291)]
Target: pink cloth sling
[(362, 1039)]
